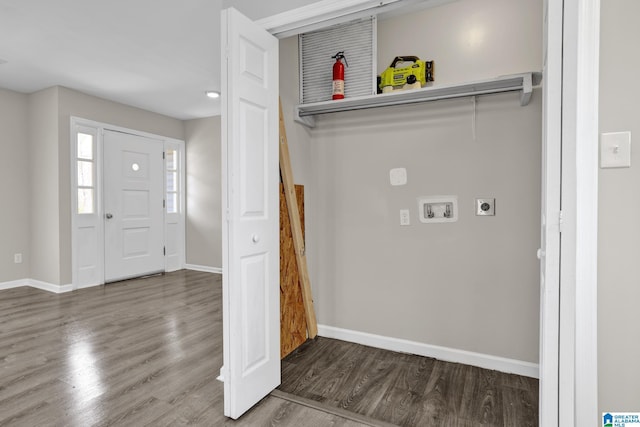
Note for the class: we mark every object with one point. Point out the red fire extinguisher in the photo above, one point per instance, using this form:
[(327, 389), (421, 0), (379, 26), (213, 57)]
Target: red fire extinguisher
[(338, 75)]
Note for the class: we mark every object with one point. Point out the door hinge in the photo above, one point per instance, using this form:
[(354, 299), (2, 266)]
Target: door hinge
[(164, 250), (163, 155), (164, 204)]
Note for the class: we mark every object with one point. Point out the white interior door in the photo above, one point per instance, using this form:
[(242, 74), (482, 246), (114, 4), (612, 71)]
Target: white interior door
[(250, 176), (133, 206), (550, 237)]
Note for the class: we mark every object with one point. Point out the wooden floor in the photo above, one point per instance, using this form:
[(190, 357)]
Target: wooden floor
[(147, 352), (408, 390)]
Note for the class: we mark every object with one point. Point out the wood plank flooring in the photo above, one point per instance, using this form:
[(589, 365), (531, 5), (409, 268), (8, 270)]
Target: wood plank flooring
[(146, 352), (408, 390)]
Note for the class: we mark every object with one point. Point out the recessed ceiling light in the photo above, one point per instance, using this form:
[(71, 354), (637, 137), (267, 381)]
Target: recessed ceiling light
[(213, 94)]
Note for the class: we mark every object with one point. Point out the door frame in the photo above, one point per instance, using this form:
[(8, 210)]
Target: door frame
[(550, 247), (575, 319), (578, 361), (97, 129)]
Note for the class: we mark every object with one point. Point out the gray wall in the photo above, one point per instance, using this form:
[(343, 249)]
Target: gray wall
[(471, 285), (14, 185), (44, 170), (619, 213), (203, 219)]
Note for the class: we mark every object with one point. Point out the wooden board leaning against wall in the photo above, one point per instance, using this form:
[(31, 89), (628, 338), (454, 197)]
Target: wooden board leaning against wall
[(293, 323)]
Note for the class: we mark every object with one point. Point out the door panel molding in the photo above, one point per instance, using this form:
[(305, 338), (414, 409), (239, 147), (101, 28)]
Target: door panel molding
[(133, 194), (251, 209)]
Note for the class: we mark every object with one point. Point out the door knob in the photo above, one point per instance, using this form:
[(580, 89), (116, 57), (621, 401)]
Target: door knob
[(255, 238), (108, 216)]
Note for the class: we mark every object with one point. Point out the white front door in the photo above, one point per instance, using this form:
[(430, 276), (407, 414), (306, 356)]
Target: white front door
[(250, 177), (133, 206)]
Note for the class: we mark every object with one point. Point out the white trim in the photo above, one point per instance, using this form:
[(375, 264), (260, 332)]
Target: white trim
[(550, 215), (107, 126), (38, 284), (480, 360), (579, 258), (14, 284), (86, 286), (50, 287), (325, 13), (203, 268)]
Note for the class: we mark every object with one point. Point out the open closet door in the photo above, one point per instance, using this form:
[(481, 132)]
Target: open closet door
[(250, 179), (549, 253)]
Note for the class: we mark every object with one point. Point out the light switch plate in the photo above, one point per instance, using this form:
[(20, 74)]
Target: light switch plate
[(398, 176), (615, 150)]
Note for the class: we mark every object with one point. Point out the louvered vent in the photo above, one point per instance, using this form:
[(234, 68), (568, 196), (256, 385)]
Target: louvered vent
[(358, 41)]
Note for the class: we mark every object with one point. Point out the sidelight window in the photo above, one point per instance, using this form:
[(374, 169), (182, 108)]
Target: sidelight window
[(86, 170), (172, 163)]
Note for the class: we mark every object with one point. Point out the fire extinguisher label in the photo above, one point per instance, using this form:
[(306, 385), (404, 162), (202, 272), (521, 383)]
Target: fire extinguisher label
[(338, 87)]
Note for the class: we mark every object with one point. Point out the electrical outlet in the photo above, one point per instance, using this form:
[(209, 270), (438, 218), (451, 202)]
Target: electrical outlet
[(405, 218), (17, 258), (485, 207)]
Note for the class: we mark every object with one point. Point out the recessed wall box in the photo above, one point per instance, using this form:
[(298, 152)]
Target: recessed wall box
[(438, 209)]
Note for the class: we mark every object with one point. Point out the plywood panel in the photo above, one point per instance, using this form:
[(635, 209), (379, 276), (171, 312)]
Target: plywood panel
[(293, 324)]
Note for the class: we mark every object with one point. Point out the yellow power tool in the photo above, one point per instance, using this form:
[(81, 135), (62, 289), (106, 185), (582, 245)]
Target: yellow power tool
[(396, 78)]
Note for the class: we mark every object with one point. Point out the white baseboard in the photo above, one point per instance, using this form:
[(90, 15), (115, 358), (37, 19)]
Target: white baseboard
[(480, 360), (38, 284), (49, 287), (203, 268), (92, 285), (14, 284)]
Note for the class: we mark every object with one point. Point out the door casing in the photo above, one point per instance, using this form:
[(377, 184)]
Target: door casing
[(177, 261)]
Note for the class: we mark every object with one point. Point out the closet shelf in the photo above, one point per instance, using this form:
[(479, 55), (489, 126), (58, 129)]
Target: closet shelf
[(304, 113)]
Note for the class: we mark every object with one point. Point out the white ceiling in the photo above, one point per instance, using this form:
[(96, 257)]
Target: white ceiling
[(159, 55)]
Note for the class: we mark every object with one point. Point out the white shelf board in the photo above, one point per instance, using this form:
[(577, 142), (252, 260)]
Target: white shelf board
[(517, 82)]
